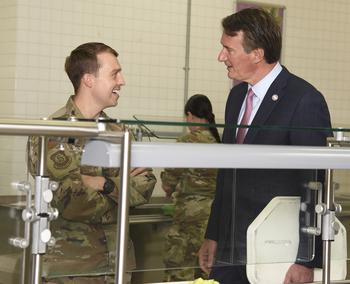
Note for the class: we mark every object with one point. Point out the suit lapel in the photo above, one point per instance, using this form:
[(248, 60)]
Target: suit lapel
[(273, 96), (235, 102)]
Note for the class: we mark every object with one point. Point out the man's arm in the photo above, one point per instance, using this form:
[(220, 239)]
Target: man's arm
[(141, 187), (79, 197), (142, 182), (312, 111)]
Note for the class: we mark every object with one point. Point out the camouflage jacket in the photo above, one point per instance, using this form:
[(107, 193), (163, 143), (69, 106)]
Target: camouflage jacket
[(191, 186), (83, 230)]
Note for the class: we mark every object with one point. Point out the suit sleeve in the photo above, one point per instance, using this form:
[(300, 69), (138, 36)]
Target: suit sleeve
[(312, 112), (213, 226), (212, 232)]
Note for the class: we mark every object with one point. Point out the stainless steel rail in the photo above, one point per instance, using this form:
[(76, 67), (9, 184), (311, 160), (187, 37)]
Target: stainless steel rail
[(123, 212), (47, 127)]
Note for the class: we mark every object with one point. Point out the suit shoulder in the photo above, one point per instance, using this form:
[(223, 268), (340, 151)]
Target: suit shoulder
[(301, 84), (241, 87), (236, 91)]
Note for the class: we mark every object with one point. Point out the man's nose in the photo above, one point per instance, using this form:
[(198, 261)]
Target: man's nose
[(222, 55), (121, 80)]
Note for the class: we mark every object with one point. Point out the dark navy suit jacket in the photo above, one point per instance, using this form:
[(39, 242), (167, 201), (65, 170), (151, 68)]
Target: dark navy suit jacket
[(241, 194)]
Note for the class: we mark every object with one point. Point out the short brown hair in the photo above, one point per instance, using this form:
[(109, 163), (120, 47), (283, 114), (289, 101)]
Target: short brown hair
[(83, 60), (260, 30)]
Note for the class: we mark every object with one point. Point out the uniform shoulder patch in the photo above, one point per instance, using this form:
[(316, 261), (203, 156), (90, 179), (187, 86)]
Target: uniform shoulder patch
[(60, 160)]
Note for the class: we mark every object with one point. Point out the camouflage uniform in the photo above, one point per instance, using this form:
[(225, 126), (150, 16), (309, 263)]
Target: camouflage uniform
[(193, 193), (85, 231)]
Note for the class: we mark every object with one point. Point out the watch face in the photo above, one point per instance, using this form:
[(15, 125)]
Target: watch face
[(108, 186)]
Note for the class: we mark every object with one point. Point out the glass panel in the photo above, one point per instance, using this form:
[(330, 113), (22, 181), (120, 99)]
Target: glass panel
[(304, 182), (12, 202), (86, 247), (153, 241)]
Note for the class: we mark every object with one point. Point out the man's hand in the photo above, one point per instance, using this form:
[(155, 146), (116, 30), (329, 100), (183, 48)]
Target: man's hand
[(139, 171), (95, 182), (299, 274), (207, 254), (167, 189)]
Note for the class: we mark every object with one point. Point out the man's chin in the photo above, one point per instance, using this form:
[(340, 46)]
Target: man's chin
[(232, 76), (115, 102)]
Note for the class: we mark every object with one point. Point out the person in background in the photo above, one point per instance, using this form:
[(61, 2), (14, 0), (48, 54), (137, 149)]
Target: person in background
[(192, 191), (269, 95), (87, 197)]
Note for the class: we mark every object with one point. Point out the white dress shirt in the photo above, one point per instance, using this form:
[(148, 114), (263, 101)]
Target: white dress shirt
[(260, 90)]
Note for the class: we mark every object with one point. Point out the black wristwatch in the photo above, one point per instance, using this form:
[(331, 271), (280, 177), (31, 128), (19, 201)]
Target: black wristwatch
[(108, 186)]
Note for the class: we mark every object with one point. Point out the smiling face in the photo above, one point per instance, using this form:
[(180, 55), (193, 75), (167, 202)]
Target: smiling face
[(240, 64), (108, 81)]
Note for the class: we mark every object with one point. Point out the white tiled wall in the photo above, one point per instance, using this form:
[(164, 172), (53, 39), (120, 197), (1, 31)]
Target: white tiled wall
[(37, 35)]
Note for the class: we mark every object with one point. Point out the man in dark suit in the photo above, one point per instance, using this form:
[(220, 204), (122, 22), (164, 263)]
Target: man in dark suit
[(251, 51)]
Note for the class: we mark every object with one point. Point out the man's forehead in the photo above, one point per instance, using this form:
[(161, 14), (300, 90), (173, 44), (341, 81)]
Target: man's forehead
[(107, 58), (225, 38)]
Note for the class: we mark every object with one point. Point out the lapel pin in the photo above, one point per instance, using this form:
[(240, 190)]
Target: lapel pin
[(274, 97)]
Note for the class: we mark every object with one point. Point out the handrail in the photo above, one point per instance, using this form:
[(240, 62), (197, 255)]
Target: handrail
[(24, 127)]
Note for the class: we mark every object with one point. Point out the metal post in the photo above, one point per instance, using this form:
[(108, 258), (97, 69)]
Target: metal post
[(123, 211), (187, 54), (36, 269), (187, 51), (36, 264), (329, 225), (327, 236)]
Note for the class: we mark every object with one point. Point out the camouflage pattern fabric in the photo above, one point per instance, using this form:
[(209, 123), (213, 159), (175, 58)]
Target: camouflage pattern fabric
[(83, 280), (85, 231), (193, 193)]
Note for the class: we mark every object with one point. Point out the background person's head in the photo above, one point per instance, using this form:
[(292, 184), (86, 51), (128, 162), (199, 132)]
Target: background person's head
[(198, 109)]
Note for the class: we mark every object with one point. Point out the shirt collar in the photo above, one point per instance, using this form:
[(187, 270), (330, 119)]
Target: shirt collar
[(260, 88)]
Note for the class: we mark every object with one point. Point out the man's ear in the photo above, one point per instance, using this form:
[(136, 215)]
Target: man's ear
[(88, 80), (189, 115), (259, 55)]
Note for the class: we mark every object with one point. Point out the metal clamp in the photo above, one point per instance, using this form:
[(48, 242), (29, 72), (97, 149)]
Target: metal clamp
[(28, 215)]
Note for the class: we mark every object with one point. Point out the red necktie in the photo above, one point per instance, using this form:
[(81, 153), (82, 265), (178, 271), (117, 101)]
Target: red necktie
[(245, 119)]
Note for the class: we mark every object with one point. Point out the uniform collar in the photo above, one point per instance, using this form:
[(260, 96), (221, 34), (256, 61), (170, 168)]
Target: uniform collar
[(73, 110)]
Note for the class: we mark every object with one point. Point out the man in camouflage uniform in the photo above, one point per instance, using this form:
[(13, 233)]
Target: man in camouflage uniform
[(192, 191), (85, 231)]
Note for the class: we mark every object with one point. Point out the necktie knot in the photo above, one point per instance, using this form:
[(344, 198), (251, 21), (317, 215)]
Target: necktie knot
[(246, 116)]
